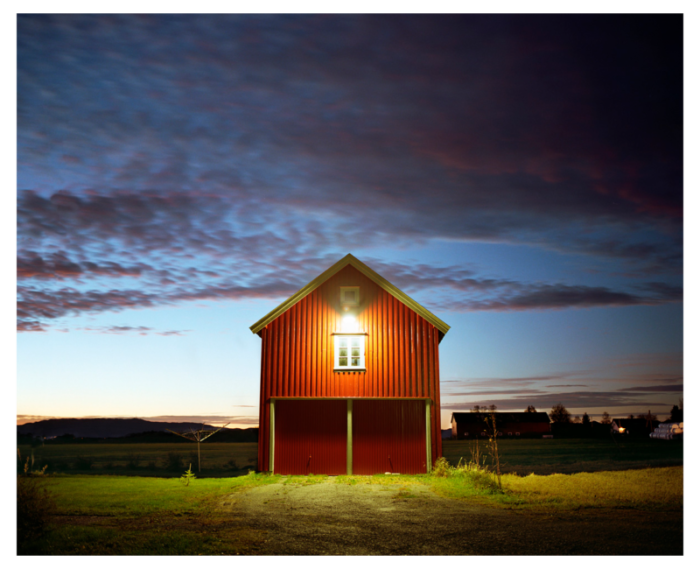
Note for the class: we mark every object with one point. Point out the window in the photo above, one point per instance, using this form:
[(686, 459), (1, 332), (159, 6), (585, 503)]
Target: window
[(349, 352)]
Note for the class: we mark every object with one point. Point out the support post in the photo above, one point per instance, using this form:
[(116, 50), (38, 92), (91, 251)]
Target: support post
[(272, 436), (428, 449), (349, 443)]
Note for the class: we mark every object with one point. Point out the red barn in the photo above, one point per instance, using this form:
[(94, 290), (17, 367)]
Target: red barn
[(349, 378), (471, 425)]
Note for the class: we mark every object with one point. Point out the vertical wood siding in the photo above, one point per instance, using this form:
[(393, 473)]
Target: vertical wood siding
[(401, 353)]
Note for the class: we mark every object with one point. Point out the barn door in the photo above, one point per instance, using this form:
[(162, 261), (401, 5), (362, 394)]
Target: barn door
[(388, 436), (310, 437)]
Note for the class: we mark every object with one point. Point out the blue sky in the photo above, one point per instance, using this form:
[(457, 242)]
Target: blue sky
[(180, 176)]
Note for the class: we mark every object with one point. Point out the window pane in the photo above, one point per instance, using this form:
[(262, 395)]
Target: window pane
[(343, 342), (355, 342), (356, 361), (356, 352), (343, 362), (343, 352)]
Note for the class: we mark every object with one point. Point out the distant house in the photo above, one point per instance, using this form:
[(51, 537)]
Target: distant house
[(594, 429), (470, 425), (598, 429), (634, 427)]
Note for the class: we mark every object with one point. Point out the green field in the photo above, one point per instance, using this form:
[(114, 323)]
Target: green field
[(144, 459), (568, 456), (525, 456)]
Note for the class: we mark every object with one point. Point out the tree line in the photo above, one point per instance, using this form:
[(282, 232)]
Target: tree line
[(560, 414)]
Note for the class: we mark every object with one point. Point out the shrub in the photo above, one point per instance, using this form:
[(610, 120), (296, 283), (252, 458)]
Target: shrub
[(471, 473), (480, 479), (35, 505), (442, 468), (188, 476), (27, 467)]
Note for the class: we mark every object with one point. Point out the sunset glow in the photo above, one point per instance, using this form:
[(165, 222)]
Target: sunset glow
[(179, 176)]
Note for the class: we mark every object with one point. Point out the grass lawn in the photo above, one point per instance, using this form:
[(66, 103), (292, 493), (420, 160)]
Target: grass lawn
[(146, 510), (651, 489), (120, 515), (643, 489), (135, 496)]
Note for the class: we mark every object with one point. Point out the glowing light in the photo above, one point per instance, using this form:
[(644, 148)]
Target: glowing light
[(348, 324)]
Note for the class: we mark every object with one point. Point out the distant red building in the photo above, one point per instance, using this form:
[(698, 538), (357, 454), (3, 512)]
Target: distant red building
[(349, 379), (471, 425)]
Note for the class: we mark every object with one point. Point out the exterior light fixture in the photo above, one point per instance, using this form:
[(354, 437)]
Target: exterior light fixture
[(348, 323)]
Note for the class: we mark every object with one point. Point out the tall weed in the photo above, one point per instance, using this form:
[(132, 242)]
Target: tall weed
[(468, 477), (35, 506), (442, 468), (493, 445)]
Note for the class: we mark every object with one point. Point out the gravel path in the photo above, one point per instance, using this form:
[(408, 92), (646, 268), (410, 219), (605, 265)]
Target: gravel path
[(373, 519)]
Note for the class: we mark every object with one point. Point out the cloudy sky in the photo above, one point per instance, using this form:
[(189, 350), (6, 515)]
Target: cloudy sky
[(180, 176)]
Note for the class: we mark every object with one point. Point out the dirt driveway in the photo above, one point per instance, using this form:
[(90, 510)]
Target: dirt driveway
[(373, 519)]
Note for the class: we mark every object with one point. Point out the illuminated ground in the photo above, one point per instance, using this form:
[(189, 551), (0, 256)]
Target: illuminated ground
[(338, 519)]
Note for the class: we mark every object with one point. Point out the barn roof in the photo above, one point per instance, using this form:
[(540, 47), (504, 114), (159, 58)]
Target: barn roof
[(523, 417), (370, 274)]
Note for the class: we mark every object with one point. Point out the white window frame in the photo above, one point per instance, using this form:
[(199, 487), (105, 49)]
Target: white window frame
[(336, 350)]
